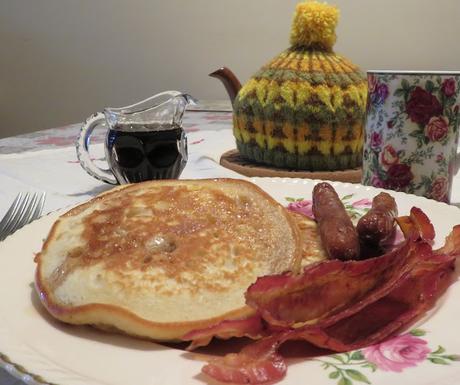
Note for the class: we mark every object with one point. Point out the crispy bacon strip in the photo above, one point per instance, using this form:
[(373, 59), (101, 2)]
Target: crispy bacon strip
[(417, 222), (257, 363), (293, 300), (251, 327), (369, 321), (408, 301), (452, 244)]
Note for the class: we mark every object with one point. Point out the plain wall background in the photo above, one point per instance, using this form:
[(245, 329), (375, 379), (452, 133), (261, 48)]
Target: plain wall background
[(62, 60)]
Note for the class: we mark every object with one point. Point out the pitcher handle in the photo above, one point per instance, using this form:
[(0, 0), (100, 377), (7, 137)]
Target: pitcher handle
[(82, 146)]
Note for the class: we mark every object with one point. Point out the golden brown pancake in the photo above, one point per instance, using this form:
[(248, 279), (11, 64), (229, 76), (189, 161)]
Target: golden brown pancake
[(159, 259)]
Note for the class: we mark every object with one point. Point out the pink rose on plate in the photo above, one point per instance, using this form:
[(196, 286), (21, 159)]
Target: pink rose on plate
[(362, 204), (440, 189), (437, 128), (448, 87), (376, 141), (389, 156), (304, 207), (397, 354)]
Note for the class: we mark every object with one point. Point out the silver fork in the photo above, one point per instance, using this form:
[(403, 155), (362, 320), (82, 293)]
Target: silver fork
[(25, 208)]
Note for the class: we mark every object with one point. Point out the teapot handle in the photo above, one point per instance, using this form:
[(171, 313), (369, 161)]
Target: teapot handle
[(82, 146)]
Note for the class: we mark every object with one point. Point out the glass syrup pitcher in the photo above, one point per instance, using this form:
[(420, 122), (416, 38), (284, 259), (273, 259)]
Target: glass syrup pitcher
[(144, 141)]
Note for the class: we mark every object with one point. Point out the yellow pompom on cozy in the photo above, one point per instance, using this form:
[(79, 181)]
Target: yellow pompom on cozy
[(304, 109)]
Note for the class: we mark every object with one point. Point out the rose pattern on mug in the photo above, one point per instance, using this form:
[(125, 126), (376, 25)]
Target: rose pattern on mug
[(412, 133)]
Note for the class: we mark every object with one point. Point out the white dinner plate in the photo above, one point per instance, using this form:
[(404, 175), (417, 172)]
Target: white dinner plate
[(36, 347)]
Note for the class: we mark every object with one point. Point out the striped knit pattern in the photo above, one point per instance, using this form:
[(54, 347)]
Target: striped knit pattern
[(303, 110)]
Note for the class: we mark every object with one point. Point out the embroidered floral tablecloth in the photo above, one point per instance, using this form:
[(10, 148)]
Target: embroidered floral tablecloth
[(203, 119)]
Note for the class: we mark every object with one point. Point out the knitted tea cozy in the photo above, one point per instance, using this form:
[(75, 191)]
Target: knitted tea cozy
[(304, 109)]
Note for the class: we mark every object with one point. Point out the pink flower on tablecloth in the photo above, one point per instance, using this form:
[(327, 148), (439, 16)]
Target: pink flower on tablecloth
[(57, 141), (397, 354), (197, 141), (192, 128), (304, 207), (362, 204)]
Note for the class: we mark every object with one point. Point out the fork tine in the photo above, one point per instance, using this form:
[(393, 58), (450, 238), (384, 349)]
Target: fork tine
[(28, 212), (39, 208), (26, 209), (13, 214), (35, 209), (9, 214), (16, 216)]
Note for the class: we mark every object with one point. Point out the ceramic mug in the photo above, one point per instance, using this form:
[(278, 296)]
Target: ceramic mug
[(411, 136)]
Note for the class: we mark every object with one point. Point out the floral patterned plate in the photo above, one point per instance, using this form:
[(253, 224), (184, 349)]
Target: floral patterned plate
[(39, 349)]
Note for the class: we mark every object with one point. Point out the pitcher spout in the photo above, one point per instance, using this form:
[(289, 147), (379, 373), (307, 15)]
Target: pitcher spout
[(230, 81), (165, 109)]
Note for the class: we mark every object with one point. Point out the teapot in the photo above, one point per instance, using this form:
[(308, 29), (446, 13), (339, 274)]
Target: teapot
[(305, 108)]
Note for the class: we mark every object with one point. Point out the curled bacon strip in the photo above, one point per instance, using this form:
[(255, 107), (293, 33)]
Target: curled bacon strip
[(452, 245), (405, 292), (257, 363), (409, 300), (293, 300), (417, 222)]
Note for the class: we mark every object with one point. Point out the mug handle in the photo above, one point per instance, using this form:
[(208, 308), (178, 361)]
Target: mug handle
[(82, 146)]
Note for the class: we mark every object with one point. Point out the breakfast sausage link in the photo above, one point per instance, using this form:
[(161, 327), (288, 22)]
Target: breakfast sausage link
[(338, 235), (379, 224)]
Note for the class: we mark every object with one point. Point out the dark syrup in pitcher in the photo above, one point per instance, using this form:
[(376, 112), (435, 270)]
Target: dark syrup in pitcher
[(150, 153)]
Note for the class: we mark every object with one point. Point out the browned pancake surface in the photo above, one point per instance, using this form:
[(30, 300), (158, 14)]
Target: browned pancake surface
[(166, 253)]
